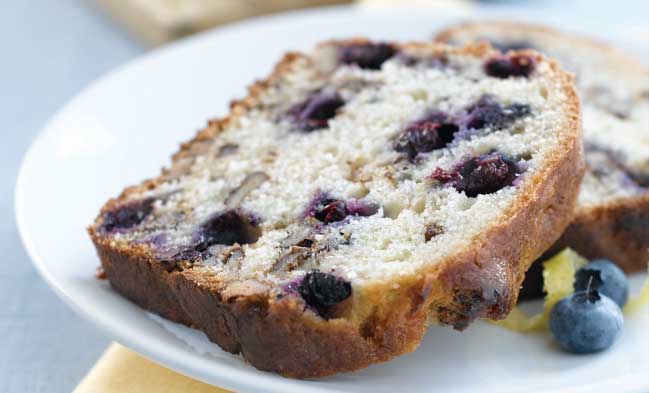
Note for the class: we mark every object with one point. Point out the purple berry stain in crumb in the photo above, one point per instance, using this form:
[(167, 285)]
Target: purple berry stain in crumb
[(323, 290), (601, 161), (329, 210), (505, 66), (169, 259), (128, 215), (155, 240), (480, 175), (432, 132), (314, 113), (227, 228), (356, 207), (488, 113), (368, 55)]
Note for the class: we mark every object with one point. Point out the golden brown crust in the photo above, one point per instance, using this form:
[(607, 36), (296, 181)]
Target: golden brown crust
[(617, 230), (277, 333)]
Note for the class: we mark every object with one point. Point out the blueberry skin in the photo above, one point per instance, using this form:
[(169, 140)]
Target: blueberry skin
[(586, 322), (127, 216), (317, 110), (323, 290), (608, 279)]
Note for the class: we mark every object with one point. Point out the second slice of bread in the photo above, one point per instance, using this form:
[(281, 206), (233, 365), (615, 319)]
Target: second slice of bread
[(612, 218)]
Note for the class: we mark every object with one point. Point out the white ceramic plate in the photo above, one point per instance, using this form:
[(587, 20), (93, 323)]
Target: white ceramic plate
[(123, 127)]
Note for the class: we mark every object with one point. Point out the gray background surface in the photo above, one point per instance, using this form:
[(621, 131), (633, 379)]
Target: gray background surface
[(50, 49)]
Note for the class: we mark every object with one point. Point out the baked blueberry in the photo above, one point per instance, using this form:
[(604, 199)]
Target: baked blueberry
[(586, 322), (419, 137), (368, 55), (606, 277), (433, 131), (127, 215), (480, 175), (488, 113), (486, 175), (323, 290), (502, 66), (447, 132), (314, 113), (229, 227), (329, 210)]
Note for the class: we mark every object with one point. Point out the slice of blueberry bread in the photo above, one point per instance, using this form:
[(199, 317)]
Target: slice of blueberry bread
[(360, 193), (613, 212)]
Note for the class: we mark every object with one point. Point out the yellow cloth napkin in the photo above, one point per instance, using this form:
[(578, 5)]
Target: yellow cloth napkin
[(120, 370)]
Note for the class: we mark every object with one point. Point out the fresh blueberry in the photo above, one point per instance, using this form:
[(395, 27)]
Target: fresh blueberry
[(128, 215), (314, 113), (369, 55), (323, 290), (229, 227), (586, 322), (503, 67), (479, 175), (606, 277)]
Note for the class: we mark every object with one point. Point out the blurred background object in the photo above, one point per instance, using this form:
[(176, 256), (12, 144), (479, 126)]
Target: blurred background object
[(158, 21)]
